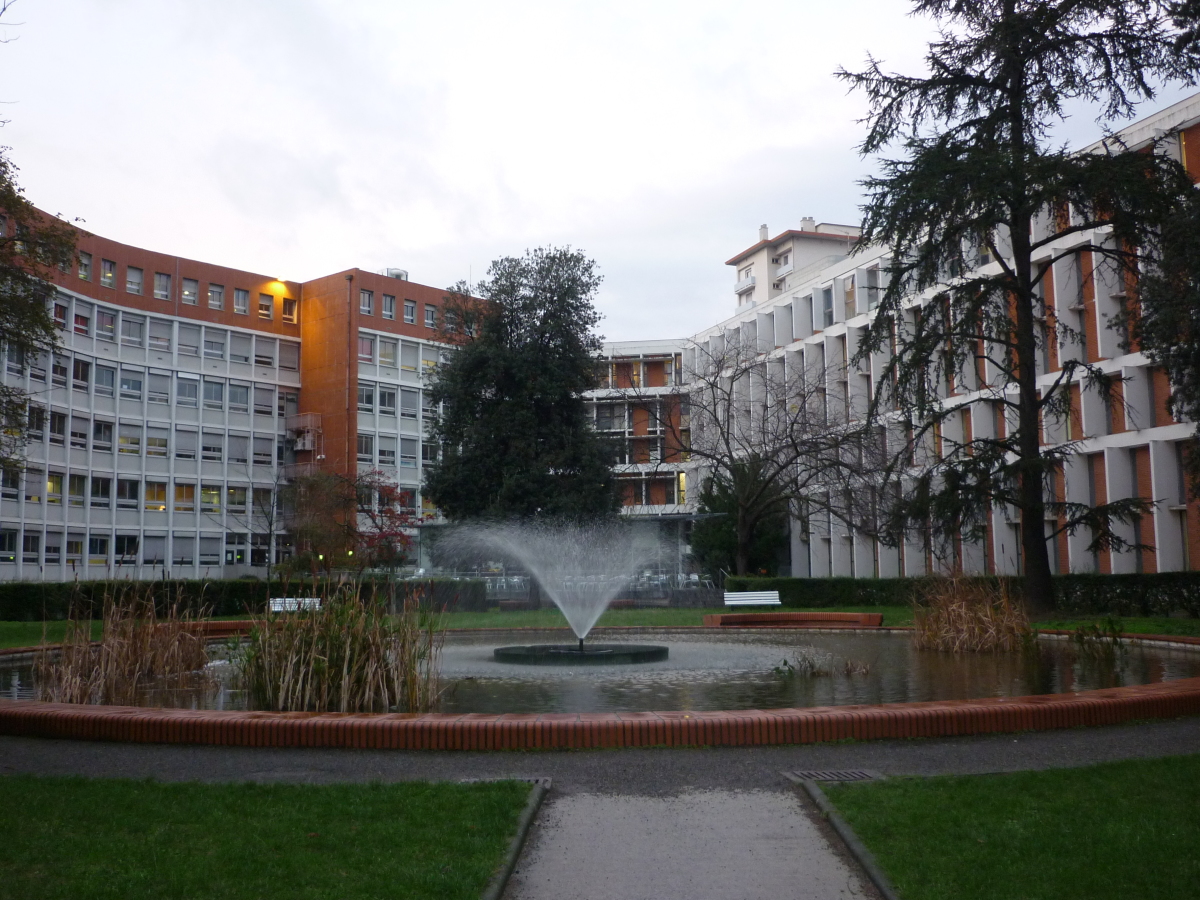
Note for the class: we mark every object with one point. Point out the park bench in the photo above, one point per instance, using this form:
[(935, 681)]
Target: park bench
[(293, 604), (752, 598)]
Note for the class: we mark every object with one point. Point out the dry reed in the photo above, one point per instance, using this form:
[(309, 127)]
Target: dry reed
[(136, 648), (969, 616), (347, 656)]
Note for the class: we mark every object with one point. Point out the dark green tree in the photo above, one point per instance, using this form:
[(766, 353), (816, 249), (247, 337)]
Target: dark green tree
[(980, 181), (514, 435), (748, 528)]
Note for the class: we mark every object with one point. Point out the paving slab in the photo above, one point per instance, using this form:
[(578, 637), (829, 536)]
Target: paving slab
[(700, 845)]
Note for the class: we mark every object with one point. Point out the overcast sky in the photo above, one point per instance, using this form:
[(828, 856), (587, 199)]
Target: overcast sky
[(300, 137)]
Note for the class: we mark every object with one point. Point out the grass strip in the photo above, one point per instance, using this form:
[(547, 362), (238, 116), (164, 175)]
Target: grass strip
[(74, 838), (1116, 830)]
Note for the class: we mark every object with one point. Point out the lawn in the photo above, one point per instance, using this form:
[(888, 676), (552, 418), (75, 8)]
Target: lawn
[(1118, 830), (80, 839)]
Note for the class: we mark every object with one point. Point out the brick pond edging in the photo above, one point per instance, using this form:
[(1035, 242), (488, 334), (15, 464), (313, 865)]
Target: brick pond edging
[(545, 731)]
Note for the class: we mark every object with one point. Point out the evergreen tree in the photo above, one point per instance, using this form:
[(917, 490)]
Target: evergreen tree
[(514, 435), (741, 537), (980, 181)]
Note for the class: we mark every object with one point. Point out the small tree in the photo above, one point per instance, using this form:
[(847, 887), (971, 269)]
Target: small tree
[(513, 428), (975, 212)]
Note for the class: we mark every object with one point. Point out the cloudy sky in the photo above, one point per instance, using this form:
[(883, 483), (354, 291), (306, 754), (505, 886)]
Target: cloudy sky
[(300, 137)]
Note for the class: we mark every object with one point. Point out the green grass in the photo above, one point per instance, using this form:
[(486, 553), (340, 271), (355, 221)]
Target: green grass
[(77, 839), (1118, 830), (29, 634), (1148, 625)]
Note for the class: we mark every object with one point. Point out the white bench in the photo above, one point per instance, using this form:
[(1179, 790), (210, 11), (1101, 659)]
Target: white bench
[(292, 604), (752, 598)]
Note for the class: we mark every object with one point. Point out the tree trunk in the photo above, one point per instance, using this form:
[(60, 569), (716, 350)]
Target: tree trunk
[(743, 530)]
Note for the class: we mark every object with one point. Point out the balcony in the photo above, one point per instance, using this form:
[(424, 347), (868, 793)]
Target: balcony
[(784, 270), (746, 284)]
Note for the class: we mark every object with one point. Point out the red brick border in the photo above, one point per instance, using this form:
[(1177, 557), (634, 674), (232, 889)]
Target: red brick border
[(775, 619), (476, 731)]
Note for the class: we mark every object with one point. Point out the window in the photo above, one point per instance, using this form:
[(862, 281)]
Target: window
[(387, 451), (183, 550), (430, 316), (185, 498), (162, 286), (387, 401), (289, 403), (239, 448), (191, 291), (266, 306), (129, 440), (83, 322), (185, 444), (389, 306), (410, 312), (53, 548), (366, 349), (409, 402), (214, 344), (102, 436), (289, 356), (85, 266), (189, 340), (156, 496), (264, 502), (241, 301), (58, 428), (101, 492), (58, 370), (74, 549), (214, 394), (126, 548), (36, 423), (10, 484), (131, 331), (187, 391), (76, 485), (387, 353), (127, 493), (160, 389), (409, 356), (31, 548), (35, 483), (79, 433), (366, 448), (235, 499), (264, 451), (264, 352), (408, 453), (210, 498), (81, 374), (366, 303), (60, 315), (235, 549), (156, 441), (216, 296), (98, 551), (108, 273), (131, 385), (106, 326), (106, 381), (827, 306), (212, 446), (239, 398), (37, 367), (289, 310), (133, 280), (264, 399), (8, 546), (240, 348), (366, 397), (54, 488)]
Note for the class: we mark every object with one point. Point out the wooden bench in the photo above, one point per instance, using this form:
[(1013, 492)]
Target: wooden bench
[(293, 604), (752, 598), (795, 619)]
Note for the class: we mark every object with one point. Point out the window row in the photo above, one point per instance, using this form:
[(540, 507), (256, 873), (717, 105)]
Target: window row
[(397, 354), (190, 290), (410, 400), (107, 491), (392, 451), (153, 440), (127, 549), (387, 309)]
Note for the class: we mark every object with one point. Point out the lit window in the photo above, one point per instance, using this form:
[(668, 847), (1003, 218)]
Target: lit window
[(156, 445), (389, 306), (210, 498), (241, 301), (129, 440), (366, 303), (156, 496), (162, 286), (185, 498), (54, 488), (266, 306), (410, 312), (133, 279), (76, 485), (366, 349), (387, 353), (108, 273), (289, 310), (191, 291), (235, 499), (216, 296), (85, 266)]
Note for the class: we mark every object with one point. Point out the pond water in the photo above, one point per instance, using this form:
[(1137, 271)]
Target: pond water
[(715, 670)]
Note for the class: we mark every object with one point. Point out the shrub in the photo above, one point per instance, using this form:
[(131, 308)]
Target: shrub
[(968, 615)]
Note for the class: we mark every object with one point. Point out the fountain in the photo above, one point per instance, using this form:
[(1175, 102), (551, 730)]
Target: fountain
[(581, 568)]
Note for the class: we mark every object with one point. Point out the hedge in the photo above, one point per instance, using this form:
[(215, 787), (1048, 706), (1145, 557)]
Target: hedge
[(33, 601), (1158, 594)]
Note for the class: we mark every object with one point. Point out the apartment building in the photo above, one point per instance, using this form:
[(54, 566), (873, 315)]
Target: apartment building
[(184, 393), (813, 317)]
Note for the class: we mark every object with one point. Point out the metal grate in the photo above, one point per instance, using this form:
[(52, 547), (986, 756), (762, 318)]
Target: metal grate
[(835, 775)]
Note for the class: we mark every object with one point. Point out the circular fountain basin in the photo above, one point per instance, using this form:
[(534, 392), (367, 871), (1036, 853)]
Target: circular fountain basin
[(581, 655)]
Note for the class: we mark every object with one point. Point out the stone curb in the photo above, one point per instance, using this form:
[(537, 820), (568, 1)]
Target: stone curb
[(495, 888), (856, 847)]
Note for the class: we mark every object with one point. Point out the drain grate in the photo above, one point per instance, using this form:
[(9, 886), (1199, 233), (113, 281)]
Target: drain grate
[(835, 775)]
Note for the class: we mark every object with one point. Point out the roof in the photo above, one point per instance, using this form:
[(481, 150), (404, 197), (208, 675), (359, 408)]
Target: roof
[(791, 233)]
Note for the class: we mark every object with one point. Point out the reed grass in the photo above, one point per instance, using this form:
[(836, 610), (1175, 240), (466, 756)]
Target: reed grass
[(137, 647), (349, 655), (958, 615)]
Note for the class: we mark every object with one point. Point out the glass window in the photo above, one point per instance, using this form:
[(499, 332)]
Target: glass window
[(133, 279), (36, 423), (187, 391), (81, 374), (185, 497), (129, 440), (106, 326), (106, 381), (131, 385), (183, 550), (10, 484), (128, 491), (185, 444), (409, 356), (235, 499), (366, 448), (60, 315), (239, 448), (102, 435), (191, 291), (387, 451), (241, 301), (162, 286), (189, 340), (408, 453), (366, 303), (239, 398), (216, 296), (31, 548), (410, 401), (97, 551), (430, 316), (76, 485), (240, 348), (214, 394), (131, 330), (101, 492), (214, 344), (212, 446), (387, 400), (74, 549), (160, 388), (289, 403), (35, 483), (289, 310), (210, 498), (264, 451), (83, 321), (126, 548), (156, 441), (266, 306), (156, 496), (54, 488), (264, 400), (289, 356), (387, 353), (410, 312), (366, 397), (366, 349), (58, 428), (8, 546), (108, 273), (264, 351), (389, 306), (85, 266)]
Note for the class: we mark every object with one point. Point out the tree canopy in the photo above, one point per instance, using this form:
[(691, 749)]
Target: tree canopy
[(977, 208), (512, 429)]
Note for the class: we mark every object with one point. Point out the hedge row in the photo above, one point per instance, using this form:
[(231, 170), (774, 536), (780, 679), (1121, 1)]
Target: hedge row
[(1159, 594), (29, 601)]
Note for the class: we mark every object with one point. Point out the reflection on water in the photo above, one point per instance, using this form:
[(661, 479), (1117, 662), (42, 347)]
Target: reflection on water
[(709, 671)]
